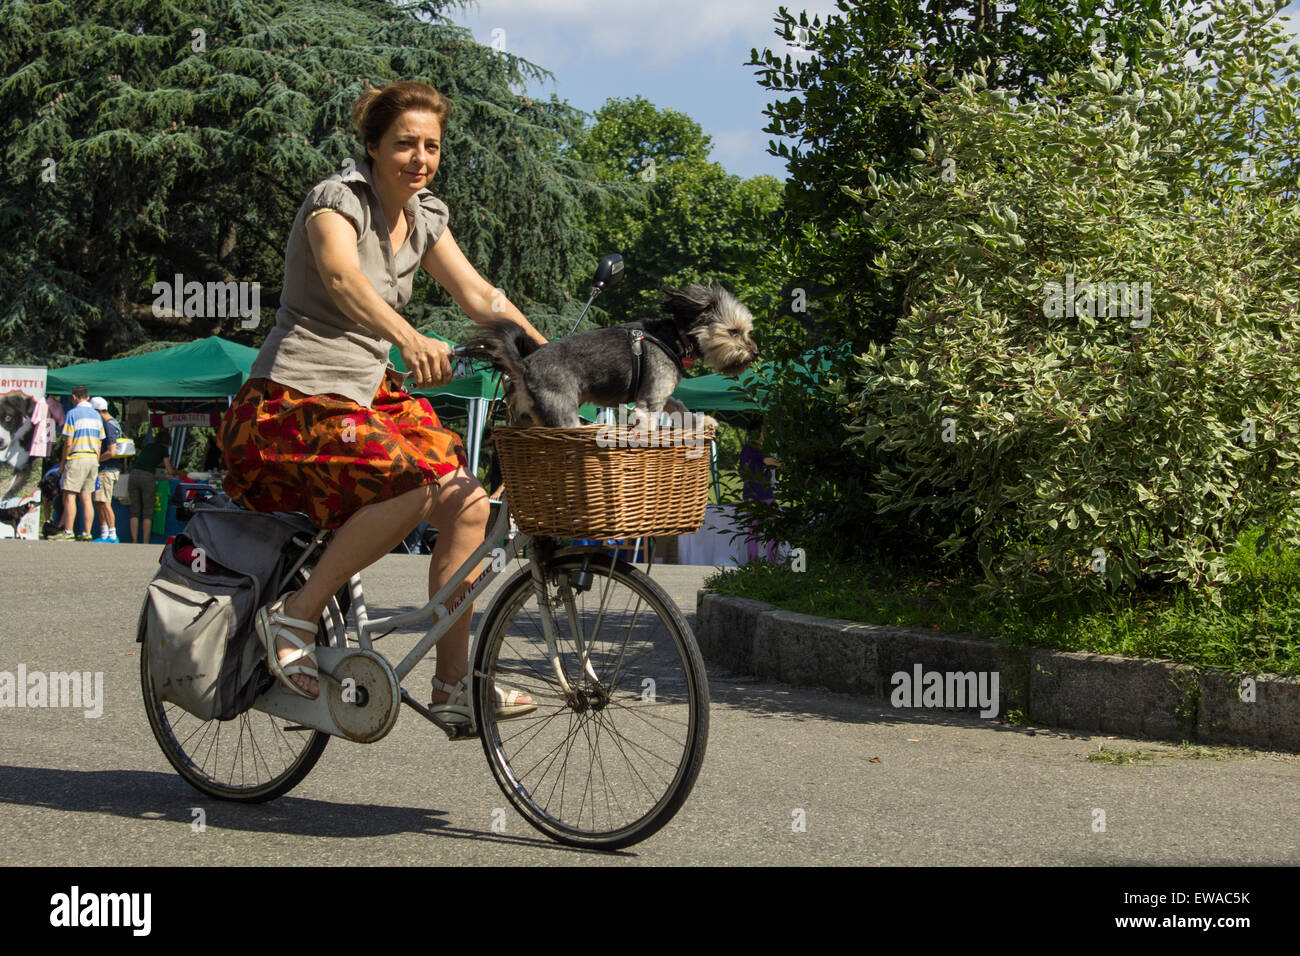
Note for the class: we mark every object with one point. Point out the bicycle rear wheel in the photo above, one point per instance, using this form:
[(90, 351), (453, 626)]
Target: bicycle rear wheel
[(251, 759), (610, 763)]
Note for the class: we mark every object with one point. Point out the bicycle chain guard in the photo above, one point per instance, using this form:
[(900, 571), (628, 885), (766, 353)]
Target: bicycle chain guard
[(364, 696)]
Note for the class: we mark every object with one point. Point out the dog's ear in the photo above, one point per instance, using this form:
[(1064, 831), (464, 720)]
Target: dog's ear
[(689, 304)]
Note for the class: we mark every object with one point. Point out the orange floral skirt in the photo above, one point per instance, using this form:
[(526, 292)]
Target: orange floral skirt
[(325, 455)]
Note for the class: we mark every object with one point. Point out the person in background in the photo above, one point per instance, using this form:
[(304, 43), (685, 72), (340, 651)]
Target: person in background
[(212, 457), (83, 434), (47, 439), (109, 471), (144, 484), (753, 470)]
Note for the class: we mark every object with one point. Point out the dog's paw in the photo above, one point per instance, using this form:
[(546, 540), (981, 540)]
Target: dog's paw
[(642, 422)]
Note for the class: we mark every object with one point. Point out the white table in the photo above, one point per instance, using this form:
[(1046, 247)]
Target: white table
[(713, 544)]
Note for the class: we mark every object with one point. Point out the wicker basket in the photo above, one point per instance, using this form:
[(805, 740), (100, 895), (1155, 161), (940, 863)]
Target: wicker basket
[(590, 482)]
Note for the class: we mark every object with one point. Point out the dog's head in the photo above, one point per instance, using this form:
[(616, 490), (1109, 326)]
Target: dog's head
[(714, 319), (16, 427)]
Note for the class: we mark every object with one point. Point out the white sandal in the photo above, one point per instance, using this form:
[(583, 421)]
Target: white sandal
[(456, 706), (273, 624)]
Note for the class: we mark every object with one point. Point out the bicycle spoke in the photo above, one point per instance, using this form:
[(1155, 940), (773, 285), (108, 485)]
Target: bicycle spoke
[(643, 749), (632, 767), (249, 758), (597, 777), (645, 718)]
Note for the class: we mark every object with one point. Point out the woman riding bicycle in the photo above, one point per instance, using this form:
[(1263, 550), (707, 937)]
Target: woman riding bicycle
[(322, 425)]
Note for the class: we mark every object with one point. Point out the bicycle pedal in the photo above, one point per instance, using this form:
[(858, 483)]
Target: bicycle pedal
[(462, 732)]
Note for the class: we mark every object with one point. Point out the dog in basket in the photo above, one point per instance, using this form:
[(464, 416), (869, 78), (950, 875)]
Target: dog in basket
[(640, 361)]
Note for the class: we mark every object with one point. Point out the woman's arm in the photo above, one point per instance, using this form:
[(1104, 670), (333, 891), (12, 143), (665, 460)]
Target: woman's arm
[(445, 262), (334, 245)]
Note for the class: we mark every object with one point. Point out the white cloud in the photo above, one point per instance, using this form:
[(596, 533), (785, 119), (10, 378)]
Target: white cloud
[(739, 148), (658, 32)]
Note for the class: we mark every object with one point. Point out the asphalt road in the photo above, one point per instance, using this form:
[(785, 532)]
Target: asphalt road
[(872, 785)]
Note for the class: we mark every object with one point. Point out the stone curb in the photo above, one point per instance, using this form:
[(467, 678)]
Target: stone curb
[(1090, 692)]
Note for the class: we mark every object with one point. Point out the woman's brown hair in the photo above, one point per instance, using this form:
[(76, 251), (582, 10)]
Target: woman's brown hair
[(378, 107)]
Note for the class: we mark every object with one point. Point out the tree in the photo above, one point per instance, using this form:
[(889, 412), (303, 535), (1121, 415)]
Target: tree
[(854, 107), (143, 140), (1092, 383), (677, 217)]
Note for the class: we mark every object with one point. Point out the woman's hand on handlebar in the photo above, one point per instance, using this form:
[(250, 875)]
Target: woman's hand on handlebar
[(429, 359)]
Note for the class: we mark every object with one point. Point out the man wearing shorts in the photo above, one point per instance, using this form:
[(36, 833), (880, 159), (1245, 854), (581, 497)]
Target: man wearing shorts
[(109, 470), (83, 435)]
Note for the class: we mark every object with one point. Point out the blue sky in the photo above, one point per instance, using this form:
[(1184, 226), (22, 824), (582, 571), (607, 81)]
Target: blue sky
[(686, 55)]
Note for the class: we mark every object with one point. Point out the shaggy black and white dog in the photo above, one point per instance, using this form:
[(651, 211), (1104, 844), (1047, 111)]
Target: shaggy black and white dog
[(16, 434), (640, 361)]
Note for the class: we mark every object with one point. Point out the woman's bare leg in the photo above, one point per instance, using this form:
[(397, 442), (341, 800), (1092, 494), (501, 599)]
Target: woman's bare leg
[(458, 507), (460, 515), (371, 532)]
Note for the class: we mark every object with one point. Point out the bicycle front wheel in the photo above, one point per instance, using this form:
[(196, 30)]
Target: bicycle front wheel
[(610, 760)]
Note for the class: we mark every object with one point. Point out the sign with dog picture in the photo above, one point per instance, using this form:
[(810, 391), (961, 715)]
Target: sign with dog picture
[(26, 434)]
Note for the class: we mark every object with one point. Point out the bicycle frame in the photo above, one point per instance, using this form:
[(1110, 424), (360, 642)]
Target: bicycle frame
[(315, 713)]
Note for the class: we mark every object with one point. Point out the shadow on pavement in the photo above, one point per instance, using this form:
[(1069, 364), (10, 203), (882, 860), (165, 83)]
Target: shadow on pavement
[(150, 795), (768, 699)]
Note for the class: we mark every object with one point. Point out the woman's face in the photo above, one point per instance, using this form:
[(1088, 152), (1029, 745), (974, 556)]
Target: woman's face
[(407, 157)]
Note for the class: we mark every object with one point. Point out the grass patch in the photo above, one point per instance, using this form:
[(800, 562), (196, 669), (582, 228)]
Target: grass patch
[(1255, 629), (1122, 755), (1015, 717)]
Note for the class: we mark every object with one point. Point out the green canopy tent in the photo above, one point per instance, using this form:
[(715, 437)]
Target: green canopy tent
[(211, 368), (745, 395), (716, 394), (740, 398), (208, 368)]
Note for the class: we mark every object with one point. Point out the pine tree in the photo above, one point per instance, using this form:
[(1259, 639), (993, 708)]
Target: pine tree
[(142, 138)]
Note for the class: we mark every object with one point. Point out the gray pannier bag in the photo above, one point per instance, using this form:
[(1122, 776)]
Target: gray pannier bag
[(197, 620)]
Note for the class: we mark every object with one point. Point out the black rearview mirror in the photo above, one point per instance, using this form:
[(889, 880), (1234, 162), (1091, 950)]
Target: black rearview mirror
[(608, 273)]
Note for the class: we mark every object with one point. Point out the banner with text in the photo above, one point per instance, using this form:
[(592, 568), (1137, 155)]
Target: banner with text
[(27, 434), (184, 419)]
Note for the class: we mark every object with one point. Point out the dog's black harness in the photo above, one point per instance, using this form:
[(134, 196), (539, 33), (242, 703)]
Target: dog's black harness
[(683, 359)]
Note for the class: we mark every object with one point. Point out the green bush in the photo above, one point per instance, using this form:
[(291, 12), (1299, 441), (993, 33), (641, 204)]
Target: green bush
[(1255, 626), (1071, 439), (843, 110)]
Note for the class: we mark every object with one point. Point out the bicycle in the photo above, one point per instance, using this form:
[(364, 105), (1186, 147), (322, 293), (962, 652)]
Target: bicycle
[(638, 690)]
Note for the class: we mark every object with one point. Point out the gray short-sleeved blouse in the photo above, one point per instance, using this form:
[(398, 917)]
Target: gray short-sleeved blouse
[(315, 347)]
